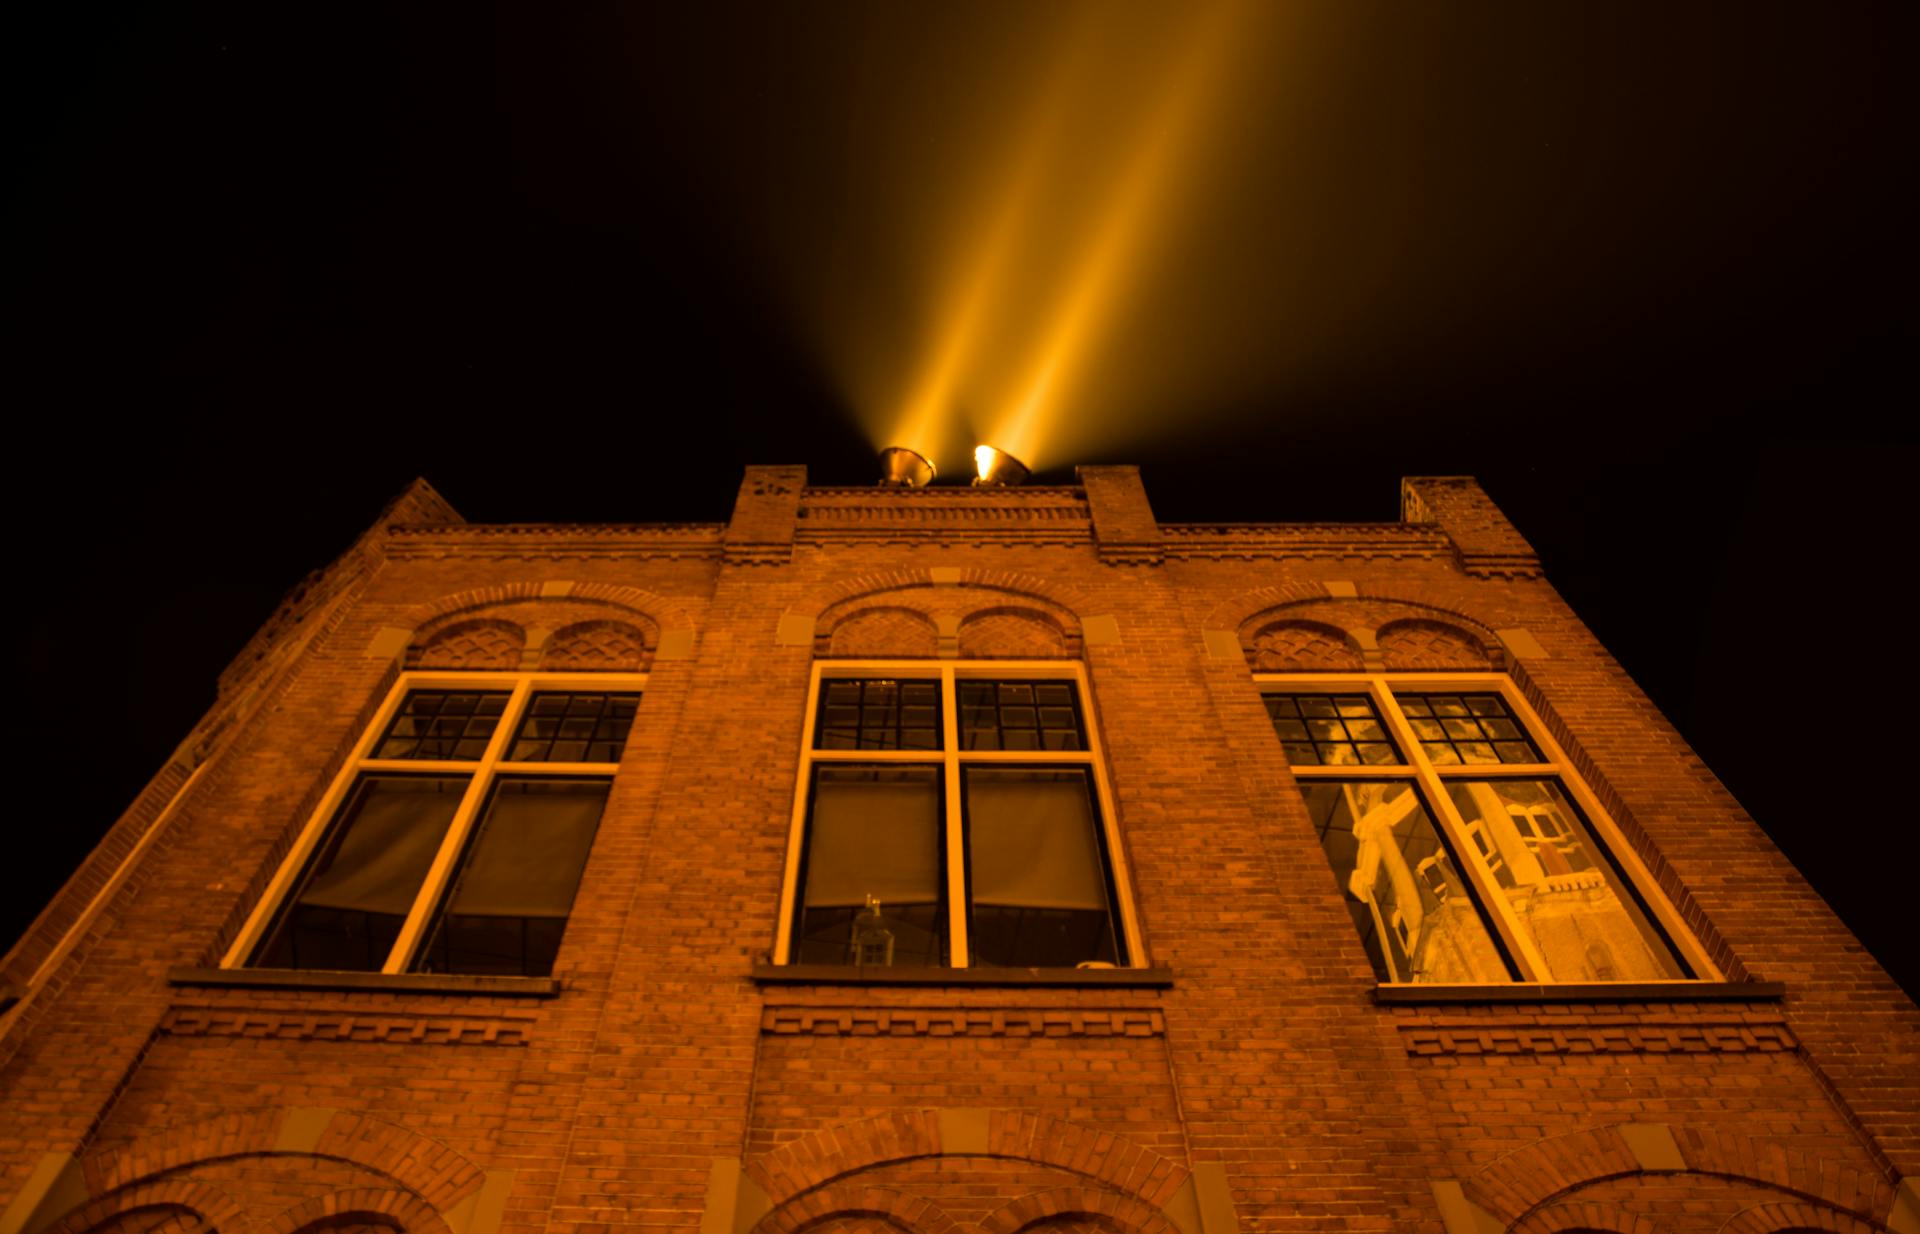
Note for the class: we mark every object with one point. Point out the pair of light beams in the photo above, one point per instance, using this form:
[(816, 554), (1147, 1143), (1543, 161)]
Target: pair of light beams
[(901, 467)]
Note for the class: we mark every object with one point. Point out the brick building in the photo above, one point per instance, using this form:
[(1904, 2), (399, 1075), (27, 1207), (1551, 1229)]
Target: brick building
[(908, 860)]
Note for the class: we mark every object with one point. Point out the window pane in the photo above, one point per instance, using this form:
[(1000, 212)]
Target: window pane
[(878, 714), (1564, 890), (1416, 917), (574, 728), (873, 834), (510, 899), (1037, 883), (1020, 715), (1469, 730), (362, 880), (1337, 725), (442, 724)]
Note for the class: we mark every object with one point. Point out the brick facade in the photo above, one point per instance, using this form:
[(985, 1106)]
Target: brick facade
[(667, 1077)]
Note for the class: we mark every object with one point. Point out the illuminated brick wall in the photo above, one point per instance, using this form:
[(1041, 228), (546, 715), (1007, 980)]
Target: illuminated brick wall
[(1252, 1077)]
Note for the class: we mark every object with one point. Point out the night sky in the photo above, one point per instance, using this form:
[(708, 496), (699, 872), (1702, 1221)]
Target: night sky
[(1647, 273)]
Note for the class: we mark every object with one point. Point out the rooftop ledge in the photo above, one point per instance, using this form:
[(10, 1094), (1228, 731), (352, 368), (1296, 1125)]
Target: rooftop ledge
[(379, 983), (1589, 992), (840, 974)]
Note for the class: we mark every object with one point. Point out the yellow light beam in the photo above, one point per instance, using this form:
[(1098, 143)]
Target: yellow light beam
[(1139, 196)]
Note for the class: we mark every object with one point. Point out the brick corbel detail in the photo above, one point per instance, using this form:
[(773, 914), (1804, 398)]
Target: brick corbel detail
[(1124, 528), (766, 515), (1485, 543)]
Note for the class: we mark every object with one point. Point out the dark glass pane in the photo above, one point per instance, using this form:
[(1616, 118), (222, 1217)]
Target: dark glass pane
[(1416, 915), (878, 714), (1037, 881), (1474, 723), (1004, 715), (1336, 723), (440, 724), (873, 883), (358, 887), (559, 726), (509, 899)]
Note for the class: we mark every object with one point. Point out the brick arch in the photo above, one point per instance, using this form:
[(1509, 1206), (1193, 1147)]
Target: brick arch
[(823, 1156), (816, 1209), (601, 645), (882, 632), (1797, 1218), (1097, 1206), (1585, 1218), (208, 1208), (425, 1167), (1269, 604), (665, 613), (1049, 592), (1423, 643), (400, 1211), (1014, 632), (1294, 645), (949, 609), (481, 644), (1555, 1167)]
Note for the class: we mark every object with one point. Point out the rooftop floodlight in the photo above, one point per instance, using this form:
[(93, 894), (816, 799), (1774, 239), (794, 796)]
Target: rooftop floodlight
[(904, 468), (997, 468)]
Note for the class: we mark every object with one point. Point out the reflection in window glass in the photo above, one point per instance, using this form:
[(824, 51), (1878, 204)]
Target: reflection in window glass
[(873, 888), (515, 886), (574, 728), (1568, 898), (1019, 715), (1415, 915), (1332, 729), (881, 714), (357, 890), (1467, 728), (443, 724), (1038, 891)]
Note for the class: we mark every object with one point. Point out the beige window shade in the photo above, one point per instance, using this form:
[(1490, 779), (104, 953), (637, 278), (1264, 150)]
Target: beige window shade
[(1032, 840), (877, 838), (532, 845), (394, 829)]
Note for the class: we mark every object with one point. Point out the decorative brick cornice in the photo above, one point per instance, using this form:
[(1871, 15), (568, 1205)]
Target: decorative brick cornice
[(1303, 541), (668, 541), (816, 1021), (1689, 1037), (339, 1024)]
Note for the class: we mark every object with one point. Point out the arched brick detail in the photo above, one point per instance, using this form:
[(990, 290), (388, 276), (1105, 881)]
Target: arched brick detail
[(159, 1219), (1236, 610), (1050, 593), (1109, 1210), (423, 1166), (814, 1160), (1115, 1160), (884, 633), (603, 646), (949, 608), (1008, 633), (665, 613), (1250, 610), (820, 1209), (1797, 1216), (480, 645), (1420, 643), (210, 1207), (1585, 1218), (1542, 1172), (401, 1211), (1302, 647)]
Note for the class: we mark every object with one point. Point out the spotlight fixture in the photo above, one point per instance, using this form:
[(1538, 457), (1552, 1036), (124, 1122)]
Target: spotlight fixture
[(904, 468), (997, 468)]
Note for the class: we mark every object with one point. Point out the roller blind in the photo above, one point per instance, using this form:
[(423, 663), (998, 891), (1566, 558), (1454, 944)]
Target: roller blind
[(531, 847), (1032, 840), (871, 837), (392, 830)]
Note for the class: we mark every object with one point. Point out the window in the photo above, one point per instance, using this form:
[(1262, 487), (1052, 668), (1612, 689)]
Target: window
[(953, 816), (454, 839), (1467, 849)]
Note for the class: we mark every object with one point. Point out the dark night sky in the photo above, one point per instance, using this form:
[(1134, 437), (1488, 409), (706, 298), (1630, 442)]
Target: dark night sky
[(1647, 273)]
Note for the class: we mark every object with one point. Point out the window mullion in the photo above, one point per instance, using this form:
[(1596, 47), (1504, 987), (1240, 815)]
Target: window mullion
[(957, 953), (1532, 966), (455, 840)]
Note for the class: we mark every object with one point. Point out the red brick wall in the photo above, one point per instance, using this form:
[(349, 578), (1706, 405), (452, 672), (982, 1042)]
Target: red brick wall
[(1267, 1059)]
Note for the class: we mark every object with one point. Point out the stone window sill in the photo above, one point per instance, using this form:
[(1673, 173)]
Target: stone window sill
[(386, 983), (841, 975), (1597, 992)]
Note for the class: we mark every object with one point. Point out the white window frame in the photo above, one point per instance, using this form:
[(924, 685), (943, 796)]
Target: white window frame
[(482, 772), (950, 758), (1431, 779)]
